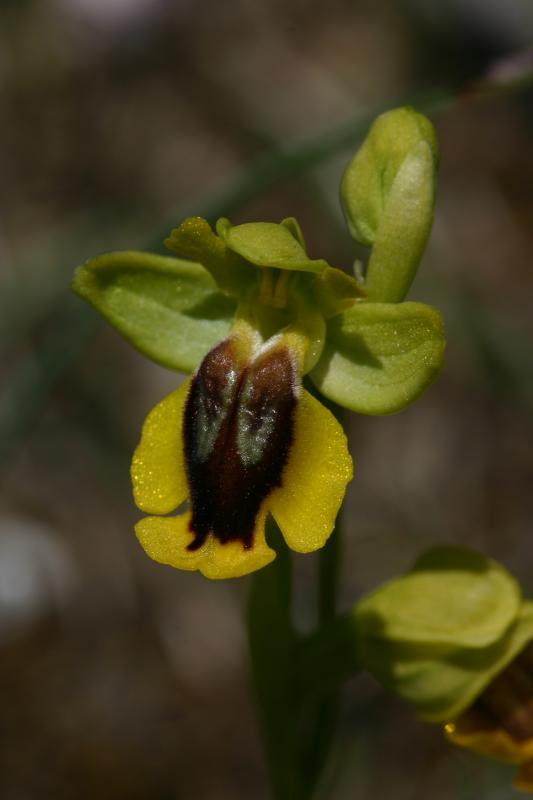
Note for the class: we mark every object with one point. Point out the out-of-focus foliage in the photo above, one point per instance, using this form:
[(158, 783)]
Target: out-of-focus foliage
[(118, 120)]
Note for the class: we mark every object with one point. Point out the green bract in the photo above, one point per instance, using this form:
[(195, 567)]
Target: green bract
[(438, 635), (387, 193), (369, 352)]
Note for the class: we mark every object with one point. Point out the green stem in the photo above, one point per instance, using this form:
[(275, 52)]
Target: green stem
[(295, 680), (273, 652), (324, 709), (328, 576), (328, 656)]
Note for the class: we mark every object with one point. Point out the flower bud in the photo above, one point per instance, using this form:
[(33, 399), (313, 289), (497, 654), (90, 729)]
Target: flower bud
[(387, 193)]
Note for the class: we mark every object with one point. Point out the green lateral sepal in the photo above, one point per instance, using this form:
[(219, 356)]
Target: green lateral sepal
[(168, 309), (380, 357)]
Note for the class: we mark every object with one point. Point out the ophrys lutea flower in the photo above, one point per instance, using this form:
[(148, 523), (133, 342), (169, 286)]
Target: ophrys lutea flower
[(454, 638), (242, 437), (251, 315)]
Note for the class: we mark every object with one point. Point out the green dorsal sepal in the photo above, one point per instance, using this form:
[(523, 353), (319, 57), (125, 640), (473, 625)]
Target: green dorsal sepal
[(269, 244)]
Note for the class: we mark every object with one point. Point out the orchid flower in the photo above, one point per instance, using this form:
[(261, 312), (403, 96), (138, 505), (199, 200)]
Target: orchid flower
[(265, 331)]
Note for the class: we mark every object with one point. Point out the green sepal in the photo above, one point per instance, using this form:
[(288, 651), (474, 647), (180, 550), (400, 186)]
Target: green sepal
[(335, 291), (273, 646), (441, 683), (380, 357), (267, 244), (195, 240), (451, 597), (437, 636), (387, 193), (170, 310)]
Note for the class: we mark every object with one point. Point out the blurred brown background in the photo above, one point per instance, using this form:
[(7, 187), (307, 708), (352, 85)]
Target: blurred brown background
[(124, 680)]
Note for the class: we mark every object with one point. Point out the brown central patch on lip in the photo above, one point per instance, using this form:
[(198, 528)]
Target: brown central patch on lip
[(238, 429)]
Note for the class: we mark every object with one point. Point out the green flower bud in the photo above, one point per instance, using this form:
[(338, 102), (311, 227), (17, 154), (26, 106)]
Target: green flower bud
[(387, 193)]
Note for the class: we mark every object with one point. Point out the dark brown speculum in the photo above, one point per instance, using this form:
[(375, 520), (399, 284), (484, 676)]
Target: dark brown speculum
[(238, 429)]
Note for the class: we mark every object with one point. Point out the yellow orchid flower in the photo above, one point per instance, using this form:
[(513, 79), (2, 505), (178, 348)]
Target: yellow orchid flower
[(250, 314)]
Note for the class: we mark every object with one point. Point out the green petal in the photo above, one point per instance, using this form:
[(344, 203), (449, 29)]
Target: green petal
[(170, 310), (380, 357), (452, 597), (334, 291), (195, 240), (267, 244), (292, 225)]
